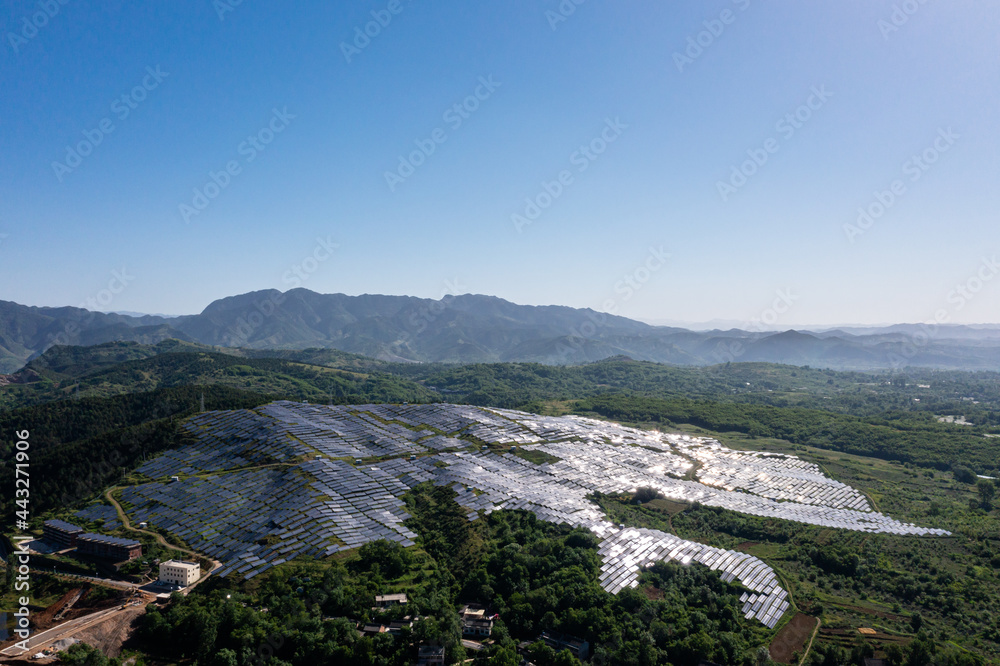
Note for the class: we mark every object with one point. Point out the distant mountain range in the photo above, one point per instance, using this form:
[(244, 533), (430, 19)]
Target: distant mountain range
[(475, 328)]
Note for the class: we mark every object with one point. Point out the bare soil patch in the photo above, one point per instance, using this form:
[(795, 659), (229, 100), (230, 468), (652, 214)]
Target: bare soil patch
[(45, 619), (109, 635), (792, 638)]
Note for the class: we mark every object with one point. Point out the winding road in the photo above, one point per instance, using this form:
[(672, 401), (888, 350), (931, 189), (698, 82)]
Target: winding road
[(108, 495)]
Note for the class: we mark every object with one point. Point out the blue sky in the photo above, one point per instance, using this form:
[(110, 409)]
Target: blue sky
[(643, 125)]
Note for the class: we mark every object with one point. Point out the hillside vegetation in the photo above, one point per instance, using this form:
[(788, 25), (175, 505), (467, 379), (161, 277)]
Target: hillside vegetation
[(119, 368), (96, 413), (472, 328)]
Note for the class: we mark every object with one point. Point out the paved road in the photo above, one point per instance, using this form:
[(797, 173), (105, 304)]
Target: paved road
[(109, 582), (39, 641)]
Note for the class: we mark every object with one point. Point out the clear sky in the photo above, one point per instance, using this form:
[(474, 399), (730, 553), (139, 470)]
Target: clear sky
[(739, 138)]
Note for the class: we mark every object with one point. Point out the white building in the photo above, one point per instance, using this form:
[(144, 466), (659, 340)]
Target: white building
[(180, 573)]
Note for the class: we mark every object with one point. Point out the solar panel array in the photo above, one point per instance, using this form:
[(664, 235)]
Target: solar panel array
[(259, 487), (772, 475), (629, 549), (104, 512)]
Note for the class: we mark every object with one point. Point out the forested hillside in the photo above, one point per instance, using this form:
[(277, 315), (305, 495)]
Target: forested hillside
[(896, 416), (536, 576), (118, 368), (474, 328), (80, 446), (912, 441), (903, 436)]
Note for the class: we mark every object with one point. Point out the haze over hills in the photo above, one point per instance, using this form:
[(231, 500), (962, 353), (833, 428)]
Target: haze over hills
[(476, 328)]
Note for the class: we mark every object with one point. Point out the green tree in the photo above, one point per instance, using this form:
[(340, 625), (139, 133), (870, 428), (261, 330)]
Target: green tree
[(963, 473), (645, 494), (383, 556), (565, 658), (987, 491), (81, 654), (225, 657)]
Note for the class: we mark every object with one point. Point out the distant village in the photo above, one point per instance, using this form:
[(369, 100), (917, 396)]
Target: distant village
[(477, 627)]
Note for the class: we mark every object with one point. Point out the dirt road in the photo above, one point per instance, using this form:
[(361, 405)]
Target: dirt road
[(108, 495)]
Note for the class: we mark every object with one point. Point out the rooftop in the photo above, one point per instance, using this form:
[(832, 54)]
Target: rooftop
[(63, 525), (180, 563), (104, 538)]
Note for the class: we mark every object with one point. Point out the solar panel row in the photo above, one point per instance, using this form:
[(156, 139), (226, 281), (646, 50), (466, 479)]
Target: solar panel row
[(264, 486)]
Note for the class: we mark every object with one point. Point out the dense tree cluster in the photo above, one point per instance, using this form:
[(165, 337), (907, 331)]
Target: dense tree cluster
[(80, 446), (535, 575), (946, 587), (81, 377)]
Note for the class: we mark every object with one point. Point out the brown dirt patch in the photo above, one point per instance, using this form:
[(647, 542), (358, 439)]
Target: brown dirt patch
[(652, 593), (44, 620), (792, 638), (109, 635), (20, 377)]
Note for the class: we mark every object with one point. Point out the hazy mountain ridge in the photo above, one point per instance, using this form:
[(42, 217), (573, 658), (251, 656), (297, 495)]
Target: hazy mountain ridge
[(475, 329)]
